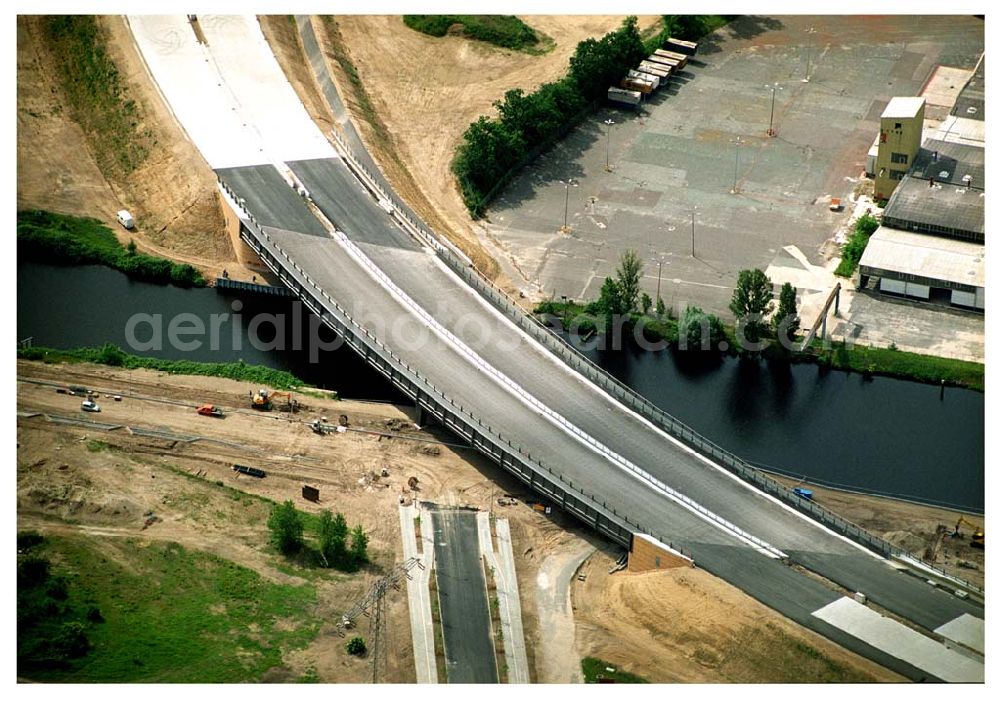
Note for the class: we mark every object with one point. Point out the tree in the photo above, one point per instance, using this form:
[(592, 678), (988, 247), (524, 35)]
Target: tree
[(646, 303), (359, 546), (356, 646), (332, 531), (285, 525), (629, 273), (661, 308), (751, 302), (786, 319), (700, 331)]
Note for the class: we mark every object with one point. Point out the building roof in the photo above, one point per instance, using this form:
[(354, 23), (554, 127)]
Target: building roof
[(962, 131), (971, 102), (948, 210), (903, 107), (926, 256), (950, 162)]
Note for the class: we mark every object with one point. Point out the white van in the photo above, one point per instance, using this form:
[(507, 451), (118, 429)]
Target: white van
[(125, 219)]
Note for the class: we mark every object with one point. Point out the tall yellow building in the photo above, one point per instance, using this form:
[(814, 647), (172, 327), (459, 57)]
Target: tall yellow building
[(899, 140)]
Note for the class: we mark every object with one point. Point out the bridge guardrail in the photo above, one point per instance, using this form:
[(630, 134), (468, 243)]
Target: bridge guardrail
[(514, 459), (463, 266)]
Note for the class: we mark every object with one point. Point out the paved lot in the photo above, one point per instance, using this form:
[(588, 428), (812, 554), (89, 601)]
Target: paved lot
[(678, 155)]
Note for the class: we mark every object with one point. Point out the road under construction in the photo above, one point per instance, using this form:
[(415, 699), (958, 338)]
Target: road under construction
[(380, 280)]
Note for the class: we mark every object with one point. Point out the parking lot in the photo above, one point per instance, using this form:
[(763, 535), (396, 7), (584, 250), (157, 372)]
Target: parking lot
[(699, 152)]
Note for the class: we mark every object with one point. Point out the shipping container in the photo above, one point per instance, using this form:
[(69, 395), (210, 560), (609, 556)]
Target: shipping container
[(681, 59), (624, 97), (643, 86), (689, 48), (656, 69), (670, 63), (654, 80)]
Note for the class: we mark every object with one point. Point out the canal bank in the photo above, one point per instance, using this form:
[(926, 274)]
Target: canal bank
[(878, 434)]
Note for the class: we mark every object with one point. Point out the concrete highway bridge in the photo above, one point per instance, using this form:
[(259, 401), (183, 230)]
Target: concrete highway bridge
[(315, 211)]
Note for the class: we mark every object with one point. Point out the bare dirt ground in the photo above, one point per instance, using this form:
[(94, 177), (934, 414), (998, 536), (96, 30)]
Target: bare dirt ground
[(680, 626), (172, 194), (909, 526), (684, 625), (427, 90)]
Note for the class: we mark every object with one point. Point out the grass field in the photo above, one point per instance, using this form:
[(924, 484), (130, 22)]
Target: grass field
[(114, 356), (595, 670), (506, 31), (174, 615), (97, 96), (61, 239)]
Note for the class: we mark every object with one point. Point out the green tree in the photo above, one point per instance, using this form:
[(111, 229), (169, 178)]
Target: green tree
[(786, 320), (697, 330), (356, 646), (629, 273), (332, 532), (646, 303), (661, 308), (359, 545), (285, 525), (751, 303)]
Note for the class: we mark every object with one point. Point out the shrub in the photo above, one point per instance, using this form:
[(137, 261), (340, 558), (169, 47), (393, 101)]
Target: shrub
[(356, 646), (286, 528)]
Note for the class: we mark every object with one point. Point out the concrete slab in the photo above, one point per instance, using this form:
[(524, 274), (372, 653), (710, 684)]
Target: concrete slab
[(190, 84), (967, 630), (901, 642), (265, 98), (418, 596)]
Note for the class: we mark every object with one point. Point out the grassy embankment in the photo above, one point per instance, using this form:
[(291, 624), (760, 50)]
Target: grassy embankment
[(596, 669), (115, 357), (61, 239), (854, 248), (506, 31), (126, 611), (97, 96), (868, 360)]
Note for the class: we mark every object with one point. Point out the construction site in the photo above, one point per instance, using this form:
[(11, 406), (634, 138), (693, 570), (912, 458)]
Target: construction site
[(136, 480)]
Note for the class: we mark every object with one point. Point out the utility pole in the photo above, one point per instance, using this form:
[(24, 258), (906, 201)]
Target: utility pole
[(607, 153), (565, 227), (770, 123)]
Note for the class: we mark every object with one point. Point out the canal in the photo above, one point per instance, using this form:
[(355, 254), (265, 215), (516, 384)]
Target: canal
[(877, 435)]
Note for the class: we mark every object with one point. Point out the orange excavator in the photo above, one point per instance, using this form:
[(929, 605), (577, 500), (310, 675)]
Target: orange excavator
[(265, 400), (978, 539)]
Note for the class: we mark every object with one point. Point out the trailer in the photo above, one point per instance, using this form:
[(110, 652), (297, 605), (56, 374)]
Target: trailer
[(654, 80), (681, 59), (657, 69), (252, 471), (638, 84), (624, 97), (688, 48), (670, 63)]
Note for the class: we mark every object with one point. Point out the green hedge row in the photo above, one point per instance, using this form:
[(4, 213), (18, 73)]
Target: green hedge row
[(506, 31), (61, 239)]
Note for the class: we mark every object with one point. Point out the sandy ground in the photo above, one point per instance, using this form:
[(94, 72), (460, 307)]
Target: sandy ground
[(172, 194), (684, 625), (428, 90), (909, 526)]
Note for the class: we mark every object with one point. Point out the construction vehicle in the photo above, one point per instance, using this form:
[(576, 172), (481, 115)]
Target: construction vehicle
[(978, 539), (210, 410), (265, 400)]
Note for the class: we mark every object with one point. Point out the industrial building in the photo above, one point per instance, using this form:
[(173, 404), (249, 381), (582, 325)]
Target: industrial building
[(931, 245)]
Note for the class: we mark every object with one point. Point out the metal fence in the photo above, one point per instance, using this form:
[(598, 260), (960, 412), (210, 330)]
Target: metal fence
[(466, 270)]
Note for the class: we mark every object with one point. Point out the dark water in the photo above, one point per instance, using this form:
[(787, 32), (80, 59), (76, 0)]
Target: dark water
[(91, 306), (881, 435)]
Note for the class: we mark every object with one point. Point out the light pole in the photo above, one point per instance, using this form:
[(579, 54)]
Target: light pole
[(770, 122), (809, 33), (565, 227), (607, 152), (659, 266), (692, 234), (736, 168)]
